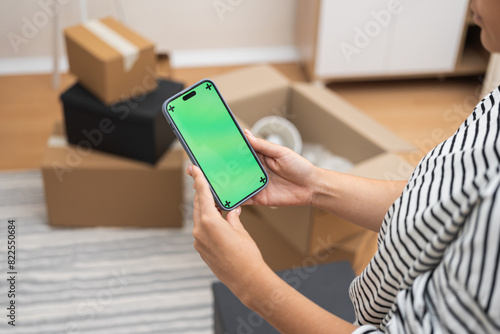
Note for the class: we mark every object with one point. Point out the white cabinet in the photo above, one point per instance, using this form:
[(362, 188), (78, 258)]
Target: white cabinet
[(341, 39), (427, 36)]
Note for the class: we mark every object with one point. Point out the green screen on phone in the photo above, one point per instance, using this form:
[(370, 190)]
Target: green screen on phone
[(216, 144)]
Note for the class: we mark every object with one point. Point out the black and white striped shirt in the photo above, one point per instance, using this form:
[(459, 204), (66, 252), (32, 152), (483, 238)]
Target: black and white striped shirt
[(437, 265)]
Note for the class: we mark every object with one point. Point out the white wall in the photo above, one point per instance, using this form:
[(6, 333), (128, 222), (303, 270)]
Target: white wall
[(222, 31)]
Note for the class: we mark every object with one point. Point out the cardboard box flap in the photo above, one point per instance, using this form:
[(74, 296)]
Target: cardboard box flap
[(386, 166), (249, 81), (317, 124), (354, 118), (255, 92)]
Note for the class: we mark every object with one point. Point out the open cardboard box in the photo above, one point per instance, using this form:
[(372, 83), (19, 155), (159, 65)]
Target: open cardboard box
[(321, 116), (91, 188)]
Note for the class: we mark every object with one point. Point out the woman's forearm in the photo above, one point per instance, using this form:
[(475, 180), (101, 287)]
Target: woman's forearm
[(288, 310), (362, 201)]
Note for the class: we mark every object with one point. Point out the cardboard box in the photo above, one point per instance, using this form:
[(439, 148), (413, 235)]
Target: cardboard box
[(134, 128), (326, 285), (279, 254), (110, 60), (321, 116), (89, 188)]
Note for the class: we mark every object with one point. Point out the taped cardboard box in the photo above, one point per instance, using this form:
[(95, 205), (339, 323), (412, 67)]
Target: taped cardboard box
[(111, 61), (321, 116), (89, 188)]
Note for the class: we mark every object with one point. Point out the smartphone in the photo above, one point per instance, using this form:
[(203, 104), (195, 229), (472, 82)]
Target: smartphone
[(213, 140)]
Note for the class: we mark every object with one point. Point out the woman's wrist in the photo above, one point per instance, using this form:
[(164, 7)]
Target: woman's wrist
[(321, 188), (250, 292)]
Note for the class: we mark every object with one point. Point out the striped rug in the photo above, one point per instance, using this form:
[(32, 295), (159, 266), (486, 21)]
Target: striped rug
[(98, 280)]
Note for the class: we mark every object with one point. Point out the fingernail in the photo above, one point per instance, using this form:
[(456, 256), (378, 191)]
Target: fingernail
[(190, 169), (248, 132), (238, 210)]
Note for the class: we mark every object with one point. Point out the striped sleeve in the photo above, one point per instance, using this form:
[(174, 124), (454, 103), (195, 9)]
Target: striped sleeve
[(462, 294)]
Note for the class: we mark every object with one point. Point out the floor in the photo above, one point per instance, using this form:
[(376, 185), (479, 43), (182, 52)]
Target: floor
[(424, 111)]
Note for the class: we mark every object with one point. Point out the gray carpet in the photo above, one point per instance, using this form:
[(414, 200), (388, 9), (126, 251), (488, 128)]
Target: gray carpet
[(98, 280)]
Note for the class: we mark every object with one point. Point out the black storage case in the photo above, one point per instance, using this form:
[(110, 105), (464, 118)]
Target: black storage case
[(327, 285), (134, 128)]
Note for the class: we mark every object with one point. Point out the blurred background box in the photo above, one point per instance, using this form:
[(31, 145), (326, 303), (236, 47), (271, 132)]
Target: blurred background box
[(90, 188), (322, 117), (135, 128), (110, 60)]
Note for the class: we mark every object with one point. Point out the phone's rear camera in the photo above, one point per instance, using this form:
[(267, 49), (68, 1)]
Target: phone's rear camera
[(189, 95)]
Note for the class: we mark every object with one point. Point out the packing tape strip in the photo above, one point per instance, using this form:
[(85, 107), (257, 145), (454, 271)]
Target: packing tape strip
[(129, 51), (57, 141)]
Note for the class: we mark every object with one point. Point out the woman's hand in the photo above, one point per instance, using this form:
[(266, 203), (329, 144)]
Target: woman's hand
[(224, 244), (233, 256), (291, 177)]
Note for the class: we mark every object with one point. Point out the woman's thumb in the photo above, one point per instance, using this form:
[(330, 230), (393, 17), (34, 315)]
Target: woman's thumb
[(263, 146), (233, 218)]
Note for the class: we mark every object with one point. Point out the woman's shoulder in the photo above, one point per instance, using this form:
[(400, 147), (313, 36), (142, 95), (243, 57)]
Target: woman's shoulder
[(490, 103)]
